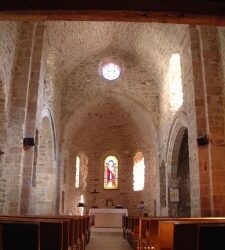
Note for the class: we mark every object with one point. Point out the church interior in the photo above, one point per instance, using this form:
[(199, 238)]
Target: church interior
[(98, 114)]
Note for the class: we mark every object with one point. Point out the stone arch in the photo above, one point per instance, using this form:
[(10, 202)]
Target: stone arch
[(124, 100), (178, 172), (128, 112), (46, 174)]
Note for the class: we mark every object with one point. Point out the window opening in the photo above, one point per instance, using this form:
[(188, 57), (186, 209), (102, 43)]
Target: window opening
[(77, 174), (138, 172), (111, 172)]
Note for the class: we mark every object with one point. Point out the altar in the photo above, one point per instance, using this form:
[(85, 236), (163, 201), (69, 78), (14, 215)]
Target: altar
[(107, 217)]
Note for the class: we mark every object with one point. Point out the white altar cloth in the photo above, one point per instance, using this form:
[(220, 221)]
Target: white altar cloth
[(93, 211), (107, 217)]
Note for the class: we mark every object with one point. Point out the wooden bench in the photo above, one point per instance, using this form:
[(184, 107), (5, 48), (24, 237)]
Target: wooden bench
[(24, 233), (130, 227), (70, 231), (197, 236), (159, 233)]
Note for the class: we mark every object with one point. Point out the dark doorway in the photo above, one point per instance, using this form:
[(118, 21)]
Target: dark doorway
[(183, 176)]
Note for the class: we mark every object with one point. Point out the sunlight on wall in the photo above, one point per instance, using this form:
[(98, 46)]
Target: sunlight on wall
[(138, 172), (82, 199), (175, 83), (77, 176)]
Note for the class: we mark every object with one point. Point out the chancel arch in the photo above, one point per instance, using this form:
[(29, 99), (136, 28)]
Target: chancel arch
[(114, 126)]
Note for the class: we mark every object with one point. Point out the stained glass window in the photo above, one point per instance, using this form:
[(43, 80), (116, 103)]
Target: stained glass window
[(77, 174), (138, 172), (111, 172)]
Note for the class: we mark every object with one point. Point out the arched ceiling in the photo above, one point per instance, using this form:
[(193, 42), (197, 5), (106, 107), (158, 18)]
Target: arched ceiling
[(109, 112), (107, 125), (75, 50), (70, 43)]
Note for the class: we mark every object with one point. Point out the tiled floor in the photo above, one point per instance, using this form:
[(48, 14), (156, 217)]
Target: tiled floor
[(107, 240)]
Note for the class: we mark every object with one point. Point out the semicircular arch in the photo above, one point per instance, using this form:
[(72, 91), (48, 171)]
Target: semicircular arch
[(137, 111)]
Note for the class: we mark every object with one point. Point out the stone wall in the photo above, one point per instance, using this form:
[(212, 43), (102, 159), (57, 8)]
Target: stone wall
[(108, 129), (54, 68), (8, 43), (135, 93), (214, 102), (221, 31), (8, 39), (48, 107), (185, 115), (46, 191)]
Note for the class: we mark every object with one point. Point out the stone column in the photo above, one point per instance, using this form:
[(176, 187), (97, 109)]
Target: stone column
[(201, 121), (30, 118), (24, 95), (210, 118)]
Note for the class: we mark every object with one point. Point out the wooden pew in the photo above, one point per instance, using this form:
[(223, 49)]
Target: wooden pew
[(125, 226), (159, 233), (26, 233), (131, 230), (199, 236), (75, 230)]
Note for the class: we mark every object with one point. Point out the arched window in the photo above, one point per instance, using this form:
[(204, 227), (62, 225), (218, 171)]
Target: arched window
[(77, 174), (111, 172), (139, 172), (175, 83)]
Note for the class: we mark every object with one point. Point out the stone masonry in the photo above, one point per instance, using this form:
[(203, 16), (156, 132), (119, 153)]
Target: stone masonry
[(51, 89)]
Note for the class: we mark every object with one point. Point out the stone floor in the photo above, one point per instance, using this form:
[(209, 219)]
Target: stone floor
[(107, 240)]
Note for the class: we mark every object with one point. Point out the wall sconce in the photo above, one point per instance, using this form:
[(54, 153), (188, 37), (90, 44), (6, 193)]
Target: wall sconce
[(28, 142), (202, 140)]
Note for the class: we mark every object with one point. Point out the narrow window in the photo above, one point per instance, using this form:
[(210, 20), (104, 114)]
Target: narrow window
[(77, 175), (138, 172), (175, 83), (111, 172)]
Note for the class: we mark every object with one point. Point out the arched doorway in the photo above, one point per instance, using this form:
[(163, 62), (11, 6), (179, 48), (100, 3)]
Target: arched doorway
[(183, 175), (46, 170), (179, 180)]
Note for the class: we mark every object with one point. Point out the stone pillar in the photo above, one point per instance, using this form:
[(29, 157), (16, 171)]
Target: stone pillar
[(30, 118), (3, 137), (210, 118), (201, 120), (23, 98)]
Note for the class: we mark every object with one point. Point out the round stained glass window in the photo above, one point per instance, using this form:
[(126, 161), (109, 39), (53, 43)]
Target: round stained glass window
[(111, 71)]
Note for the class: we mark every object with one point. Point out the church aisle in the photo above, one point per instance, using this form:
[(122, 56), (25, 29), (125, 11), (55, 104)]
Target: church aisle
[(107, 241)]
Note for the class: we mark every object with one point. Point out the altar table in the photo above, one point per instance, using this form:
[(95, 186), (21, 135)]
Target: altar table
[(107, 217)]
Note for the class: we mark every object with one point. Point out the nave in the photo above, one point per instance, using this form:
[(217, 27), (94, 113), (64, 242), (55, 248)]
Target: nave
[(107, 240)]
